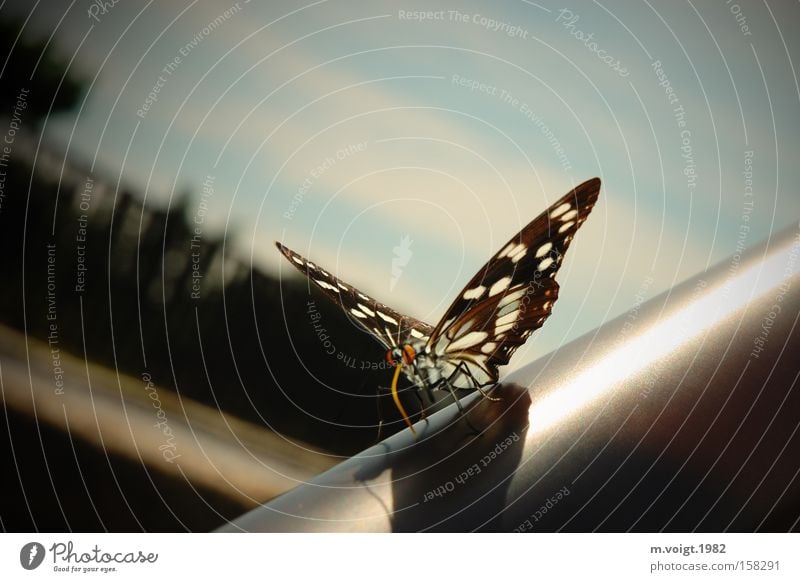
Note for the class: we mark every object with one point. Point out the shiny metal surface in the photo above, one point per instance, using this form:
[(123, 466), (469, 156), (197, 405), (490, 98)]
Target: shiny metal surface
[(680, 415)]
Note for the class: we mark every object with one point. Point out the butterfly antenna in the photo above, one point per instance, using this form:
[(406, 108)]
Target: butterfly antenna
[(396, 398)]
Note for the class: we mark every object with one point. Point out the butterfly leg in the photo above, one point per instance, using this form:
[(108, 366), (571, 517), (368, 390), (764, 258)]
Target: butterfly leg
[(479, 387), (422, 414), (460, 408), (380, 414), (488, 396), (448, 383), (429, 393), (426, 386)]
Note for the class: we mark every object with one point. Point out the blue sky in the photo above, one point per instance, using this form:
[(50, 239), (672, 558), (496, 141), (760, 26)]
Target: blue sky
[(447, 130)]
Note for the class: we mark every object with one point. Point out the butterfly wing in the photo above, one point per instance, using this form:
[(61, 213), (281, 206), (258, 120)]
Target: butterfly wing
[(513, 294), (384, 323)]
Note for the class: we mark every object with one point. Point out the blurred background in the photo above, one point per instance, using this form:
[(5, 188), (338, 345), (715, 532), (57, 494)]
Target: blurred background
[(163, 368)]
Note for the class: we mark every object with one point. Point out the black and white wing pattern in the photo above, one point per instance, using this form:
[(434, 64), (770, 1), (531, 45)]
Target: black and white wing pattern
[(387, 325), (513, 294), (503, 304)]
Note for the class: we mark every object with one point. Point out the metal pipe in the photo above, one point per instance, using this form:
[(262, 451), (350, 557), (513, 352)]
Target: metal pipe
[(680, 415)]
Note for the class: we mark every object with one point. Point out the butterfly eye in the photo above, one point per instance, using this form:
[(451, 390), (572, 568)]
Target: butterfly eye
[(408, 355), (394, 356)]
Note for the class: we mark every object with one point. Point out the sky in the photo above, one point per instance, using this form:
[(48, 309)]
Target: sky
[(400, 144)]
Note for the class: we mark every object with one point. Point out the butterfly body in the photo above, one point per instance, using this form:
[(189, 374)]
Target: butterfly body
[(507, 300), (427, 371)]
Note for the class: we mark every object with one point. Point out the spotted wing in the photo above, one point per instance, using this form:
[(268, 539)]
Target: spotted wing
[(391, 328), (513, 294)]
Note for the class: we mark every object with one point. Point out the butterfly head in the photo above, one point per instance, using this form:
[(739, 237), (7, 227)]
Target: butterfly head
[(401, 356)]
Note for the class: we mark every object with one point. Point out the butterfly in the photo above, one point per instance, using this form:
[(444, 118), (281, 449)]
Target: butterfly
[(502, 305)]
